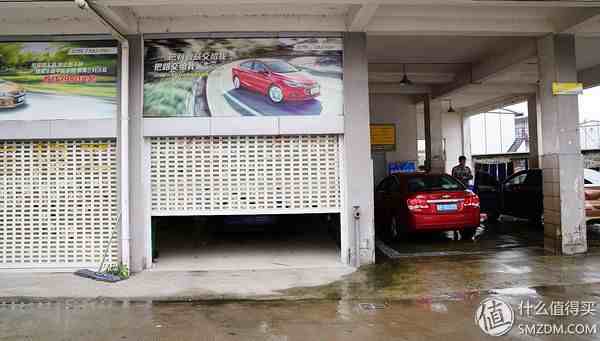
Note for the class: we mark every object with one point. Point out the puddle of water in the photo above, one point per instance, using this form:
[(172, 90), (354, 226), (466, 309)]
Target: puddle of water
[(515, 291)]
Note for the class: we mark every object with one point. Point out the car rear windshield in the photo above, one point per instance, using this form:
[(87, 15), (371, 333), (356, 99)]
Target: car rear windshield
[(280, 67), (430, 183)]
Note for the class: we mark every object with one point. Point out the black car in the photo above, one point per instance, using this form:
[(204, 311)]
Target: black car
[(520, 195)]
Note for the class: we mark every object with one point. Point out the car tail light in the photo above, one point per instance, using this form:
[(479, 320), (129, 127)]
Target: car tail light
[(471, 200), (417, 204)]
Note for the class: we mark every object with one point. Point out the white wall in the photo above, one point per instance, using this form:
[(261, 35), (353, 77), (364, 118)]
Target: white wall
[(452, 134), (400, 110), (492, 133)]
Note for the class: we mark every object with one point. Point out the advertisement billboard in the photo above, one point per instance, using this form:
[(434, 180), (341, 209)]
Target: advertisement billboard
[(232, 77), (58, 80)]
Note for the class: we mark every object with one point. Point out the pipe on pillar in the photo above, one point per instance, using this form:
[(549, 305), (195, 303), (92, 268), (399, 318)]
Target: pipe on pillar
[(122, 127), (534, 132), (427, 119)]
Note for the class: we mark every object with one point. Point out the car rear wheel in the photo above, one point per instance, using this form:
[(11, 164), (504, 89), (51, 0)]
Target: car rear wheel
[(236, 82), (275, 94), (468, 233)]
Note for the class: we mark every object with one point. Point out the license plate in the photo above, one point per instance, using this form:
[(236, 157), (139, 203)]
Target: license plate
[(314, 91), (447, 207)]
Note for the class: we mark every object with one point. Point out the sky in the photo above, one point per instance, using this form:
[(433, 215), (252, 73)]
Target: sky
[(589, 105), (495, 132)]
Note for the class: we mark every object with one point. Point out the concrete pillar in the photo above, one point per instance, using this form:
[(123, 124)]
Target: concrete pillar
[(139, 194), (452, 137), (562, 162), (534, 133), (358, 180), (434, 148), (466, 139)]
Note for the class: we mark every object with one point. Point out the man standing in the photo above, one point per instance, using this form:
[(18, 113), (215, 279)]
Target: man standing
[(461, 171)]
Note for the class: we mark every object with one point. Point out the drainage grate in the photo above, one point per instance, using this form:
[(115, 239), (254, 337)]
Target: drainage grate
[(371, 306)]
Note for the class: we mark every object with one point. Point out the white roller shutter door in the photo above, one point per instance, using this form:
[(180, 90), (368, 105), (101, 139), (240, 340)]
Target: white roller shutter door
[(215, 175), (58, 201)]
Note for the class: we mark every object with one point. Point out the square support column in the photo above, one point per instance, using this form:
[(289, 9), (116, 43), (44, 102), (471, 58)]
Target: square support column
[(434, 149), (357, 237), (562, 162)]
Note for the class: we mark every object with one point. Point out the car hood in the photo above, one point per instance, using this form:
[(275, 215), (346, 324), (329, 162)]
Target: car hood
[(10, 87), (299, 77)]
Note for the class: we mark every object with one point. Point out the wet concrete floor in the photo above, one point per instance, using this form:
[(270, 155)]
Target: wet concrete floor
[(490, 237), (410, 298), (449, 318)]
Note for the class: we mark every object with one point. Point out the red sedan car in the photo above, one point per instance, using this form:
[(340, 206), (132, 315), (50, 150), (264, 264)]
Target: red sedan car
[(276, 79), (410, 202)]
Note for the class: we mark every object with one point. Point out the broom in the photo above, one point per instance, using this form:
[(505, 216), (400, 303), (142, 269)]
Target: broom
[(99, 275)]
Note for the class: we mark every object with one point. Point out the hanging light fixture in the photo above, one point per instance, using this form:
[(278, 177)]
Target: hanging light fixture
[(450, 108), (405, 81)]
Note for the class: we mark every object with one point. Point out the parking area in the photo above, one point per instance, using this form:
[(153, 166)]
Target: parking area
[(245, 243), (507, 233)]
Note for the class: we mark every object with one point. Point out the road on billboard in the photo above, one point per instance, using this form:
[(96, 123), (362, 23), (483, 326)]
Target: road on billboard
[(224, 99), (40, 106)]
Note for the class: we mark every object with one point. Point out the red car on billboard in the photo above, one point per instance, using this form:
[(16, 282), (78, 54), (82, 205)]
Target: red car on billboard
[(276, 79), (412, 202)]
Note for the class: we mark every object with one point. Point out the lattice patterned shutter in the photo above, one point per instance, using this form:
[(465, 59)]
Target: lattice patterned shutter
[(245, 174), (58, 201)]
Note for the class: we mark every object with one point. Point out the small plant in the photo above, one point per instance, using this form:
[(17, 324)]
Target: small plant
[(118, 269)]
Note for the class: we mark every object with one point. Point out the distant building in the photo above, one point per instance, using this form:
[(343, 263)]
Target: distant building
[(521, 142), (590, 134)]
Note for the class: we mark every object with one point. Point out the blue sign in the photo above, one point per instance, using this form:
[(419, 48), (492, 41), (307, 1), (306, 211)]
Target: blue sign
[(402, 167)]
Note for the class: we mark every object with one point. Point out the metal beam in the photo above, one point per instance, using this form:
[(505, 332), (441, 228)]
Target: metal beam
[(589, 77), (122, 18), (266, 23), (491, 104), (488, 68), (359, 16), (432, 25), (396, 88), (37, 4), (470, 3), (582, 20)]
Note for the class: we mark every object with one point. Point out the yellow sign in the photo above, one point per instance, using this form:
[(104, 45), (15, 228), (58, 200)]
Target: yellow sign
[(50, 147), (8, 149), (94, 147), (567, 88), (383, 136)]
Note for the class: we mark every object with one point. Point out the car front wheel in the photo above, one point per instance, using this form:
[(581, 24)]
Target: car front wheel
[(275, 94), (236, 82)]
